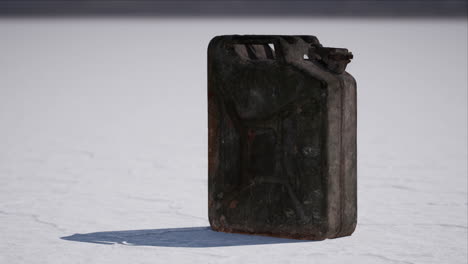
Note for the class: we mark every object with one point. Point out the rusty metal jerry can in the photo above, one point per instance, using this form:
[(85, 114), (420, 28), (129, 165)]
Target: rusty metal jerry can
[(282, 137)]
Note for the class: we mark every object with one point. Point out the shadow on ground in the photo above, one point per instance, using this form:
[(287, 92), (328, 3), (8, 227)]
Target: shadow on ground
[(176, 237)]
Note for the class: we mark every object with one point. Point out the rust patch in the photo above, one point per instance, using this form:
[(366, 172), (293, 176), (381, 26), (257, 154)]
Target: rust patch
[(233, 204), (311, 237)]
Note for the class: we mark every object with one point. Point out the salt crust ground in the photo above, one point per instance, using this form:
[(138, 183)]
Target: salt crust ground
[(103, 154)]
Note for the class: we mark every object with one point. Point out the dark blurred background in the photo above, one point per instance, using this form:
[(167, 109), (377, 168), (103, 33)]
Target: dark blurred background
[(320, 8)]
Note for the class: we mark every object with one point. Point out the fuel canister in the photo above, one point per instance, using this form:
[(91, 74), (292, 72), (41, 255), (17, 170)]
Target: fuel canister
[(282, 137)]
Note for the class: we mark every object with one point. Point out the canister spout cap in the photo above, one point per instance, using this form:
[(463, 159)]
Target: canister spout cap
[(334, 59)]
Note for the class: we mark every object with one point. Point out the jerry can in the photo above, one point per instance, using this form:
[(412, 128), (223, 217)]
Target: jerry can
[(281, 136)]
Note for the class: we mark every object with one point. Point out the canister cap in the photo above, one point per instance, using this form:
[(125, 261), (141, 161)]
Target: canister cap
[(334, 59)]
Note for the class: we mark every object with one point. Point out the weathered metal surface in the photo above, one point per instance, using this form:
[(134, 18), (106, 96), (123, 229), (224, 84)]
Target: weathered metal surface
[(282, 137)]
